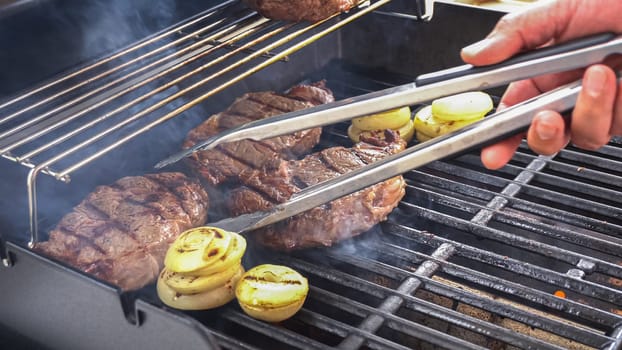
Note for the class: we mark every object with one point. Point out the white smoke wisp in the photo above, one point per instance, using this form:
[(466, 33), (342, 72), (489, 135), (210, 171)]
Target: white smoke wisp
[(111, 25)]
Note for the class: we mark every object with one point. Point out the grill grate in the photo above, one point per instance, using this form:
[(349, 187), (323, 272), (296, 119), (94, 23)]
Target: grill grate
[(526, 257)]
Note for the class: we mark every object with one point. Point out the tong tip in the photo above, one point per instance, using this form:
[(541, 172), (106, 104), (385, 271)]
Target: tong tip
[(161, 164), (173, 159), (246, 222), (201, 146)]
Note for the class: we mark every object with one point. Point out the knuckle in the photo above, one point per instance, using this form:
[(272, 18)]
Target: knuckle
[(545, 150), (506, 22), (616, 122)]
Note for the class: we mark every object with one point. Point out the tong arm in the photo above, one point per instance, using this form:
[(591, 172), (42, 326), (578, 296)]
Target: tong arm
[(486, 131), (563, 57)]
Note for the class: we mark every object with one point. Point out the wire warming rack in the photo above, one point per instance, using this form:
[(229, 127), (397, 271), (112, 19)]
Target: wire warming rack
[(65, 124)]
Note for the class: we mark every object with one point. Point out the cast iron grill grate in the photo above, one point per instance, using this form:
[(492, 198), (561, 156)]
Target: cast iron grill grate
[(527, 257)]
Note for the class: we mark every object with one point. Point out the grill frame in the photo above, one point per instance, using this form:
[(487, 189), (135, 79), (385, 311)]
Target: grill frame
[(430, 251)]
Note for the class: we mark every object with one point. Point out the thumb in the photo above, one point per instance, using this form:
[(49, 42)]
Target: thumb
[(519, 31)]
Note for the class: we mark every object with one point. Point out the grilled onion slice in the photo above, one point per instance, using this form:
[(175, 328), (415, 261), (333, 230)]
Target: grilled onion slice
[(464, 106), (189, 284), (232, 256), (428, 124), (374, 125), (197, 248), (202, 268), (393, 119), (199, 301), (421, 137), (271, 293)]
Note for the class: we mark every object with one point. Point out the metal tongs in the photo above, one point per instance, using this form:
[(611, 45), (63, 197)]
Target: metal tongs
[(571, 55)]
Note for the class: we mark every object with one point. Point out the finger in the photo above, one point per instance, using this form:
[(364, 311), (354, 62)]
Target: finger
[(522, 90), (616, 124), (518, 31), (517, 92), (615, 62), (593, 113), (548, 133), (550, 81), (545, 23), (496, 156)]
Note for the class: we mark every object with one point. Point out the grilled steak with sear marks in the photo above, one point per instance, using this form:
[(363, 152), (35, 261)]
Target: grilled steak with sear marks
[(321, 226), (226, 161), (120, 233), (300, 10)]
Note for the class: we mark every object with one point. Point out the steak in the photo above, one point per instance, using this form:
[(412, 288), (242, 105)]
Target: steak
[(226, 161), (300, 10), (120, 233), (335, 221)]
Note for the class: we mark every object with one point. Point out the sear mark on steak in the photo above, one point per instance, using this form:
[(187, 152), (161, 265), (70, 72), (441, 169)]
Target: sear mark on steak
[(330, 223), (226, 161), (121, 232), (300, 10)]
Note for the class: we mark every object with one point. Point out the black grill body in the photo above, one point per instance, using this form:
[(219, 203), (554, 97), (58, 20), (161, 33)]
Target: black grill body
[(526, 257)]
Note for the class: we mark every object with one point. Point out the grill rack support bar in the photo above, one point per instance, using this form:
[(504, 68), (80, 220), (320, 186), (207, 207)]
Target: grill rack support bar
[(4, 254), (424, 11)]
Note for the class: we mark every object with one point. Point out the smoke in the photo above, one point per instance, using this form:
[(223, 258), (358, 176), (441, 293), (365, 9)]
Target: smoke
[(62, 35), (109, 25)]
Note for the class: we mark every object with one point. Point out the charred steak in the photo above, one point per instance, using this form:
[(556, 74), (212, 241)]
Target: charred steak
[(226, 161), (120, 233), (300, 10), (322, 226)]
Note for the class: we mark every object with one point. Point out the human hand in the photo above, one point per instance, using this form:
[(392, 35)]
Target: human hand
[(597, 115)]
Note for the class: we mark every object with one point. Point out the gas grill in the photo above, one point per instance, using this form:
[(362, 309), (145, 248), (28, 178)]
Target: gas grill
[(525, 257)]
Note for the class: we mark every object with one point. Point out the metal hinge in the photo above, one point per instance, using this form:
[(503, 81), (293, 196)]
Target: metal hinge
[(425, 9), (4, 254), (422, 10)]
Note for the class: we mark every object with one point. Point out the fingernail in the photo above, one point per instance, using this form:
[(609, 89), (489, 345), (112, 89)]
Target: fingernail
[(477, 47), (545, 129), (594, 81)]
